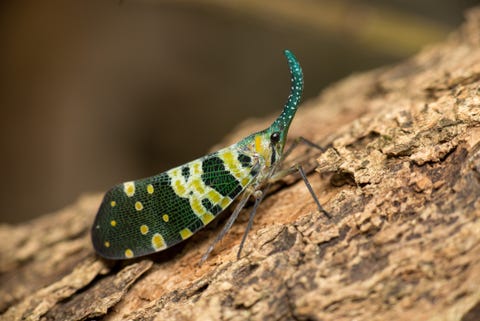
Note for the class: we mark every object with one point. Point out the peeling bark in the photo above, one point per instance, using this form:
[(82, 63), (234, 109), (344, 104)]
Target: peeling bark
[(400, 176)]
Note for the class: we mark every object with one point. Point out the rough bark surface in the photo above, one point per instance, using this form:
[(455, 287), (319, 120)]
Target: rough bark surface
[(400, 176)]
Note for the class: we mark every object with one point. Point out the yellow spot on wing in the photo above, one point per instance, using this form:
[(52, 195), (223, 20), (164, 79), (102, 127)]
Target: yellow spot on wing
[(218, 199), (229, 159), (196, 166), (197, 207), (113, 203), (158, 242), (144, 229), (185, 233), (245, 181), (225, 202), (129, 188), (113, 223), (165, 217), (128, 253), (179, 188), (232, 164), (207, 218), (138, 206), (150, 189), (107, 244), (197, 185), (214, 196)]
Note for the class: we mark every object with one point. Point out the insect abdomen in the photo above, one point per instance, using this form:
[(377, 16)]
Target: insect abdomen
[(148, 215)]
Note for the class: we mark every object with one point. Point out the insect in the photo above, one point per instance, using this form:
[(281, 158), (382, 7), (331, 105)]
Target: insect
[(141, 217)]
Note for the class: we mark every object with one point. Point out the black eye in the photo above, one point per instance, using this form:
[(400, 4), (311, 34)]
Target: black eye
[(275, 137)]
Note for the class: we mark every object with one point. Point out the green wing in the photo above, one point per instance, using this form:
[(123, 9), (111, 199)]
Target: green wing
[(151, 214)]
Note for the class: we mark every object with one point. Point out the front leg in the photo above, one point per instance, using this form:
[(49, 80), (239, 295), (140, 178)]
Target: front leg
[(298, 168), (297, 142)]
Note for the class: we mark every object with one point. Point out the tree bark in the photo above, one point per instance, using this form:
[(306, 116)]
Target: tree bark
[(400, 178)]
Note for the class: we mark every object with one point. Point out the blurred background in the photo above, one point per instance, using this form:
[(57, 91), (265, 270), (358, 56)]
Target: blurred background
[(93, 93)]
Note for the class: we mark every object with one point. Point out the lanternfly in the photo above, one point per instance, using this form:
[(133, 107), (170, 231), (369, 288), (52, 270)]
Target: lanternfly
[(149, 215)]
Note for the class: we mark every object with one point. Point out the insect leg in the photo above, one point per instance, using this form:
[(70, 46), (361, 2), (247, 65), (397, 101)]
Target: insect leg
[(310, 189), (282, 173), (227, 226), (303, 140), (258, 199), (259, 195), (298, 168)]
